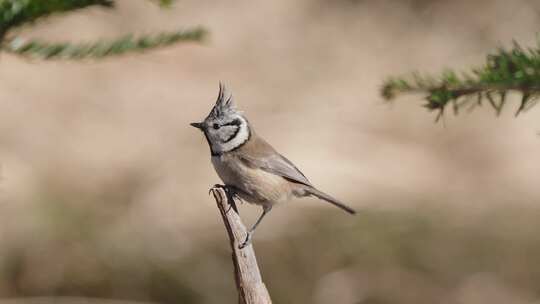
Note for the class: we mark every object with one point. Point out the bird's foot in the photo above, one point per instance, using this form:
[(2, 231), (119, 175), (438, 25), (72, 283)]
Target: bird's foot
[(217, 186), (230, 190), (247, 241), (232, 195)]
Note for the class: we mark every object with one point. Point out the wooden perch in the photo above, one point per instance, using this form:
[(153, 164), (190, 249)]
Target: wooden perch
[(251, 289)]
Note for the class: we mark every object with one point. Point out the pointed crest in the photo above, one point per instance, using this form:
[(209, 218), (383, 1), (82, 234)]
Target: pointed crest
[(224, 102)]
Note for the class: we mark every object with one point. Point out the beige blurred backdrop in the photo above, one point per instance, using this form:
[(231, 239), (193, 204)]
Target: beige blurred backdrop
[(109, 141)]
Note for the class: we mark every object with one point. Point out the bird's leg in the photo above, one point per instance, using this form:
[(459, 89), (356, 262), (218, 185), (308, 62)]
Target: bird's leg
[(235, 193), (251, 231)]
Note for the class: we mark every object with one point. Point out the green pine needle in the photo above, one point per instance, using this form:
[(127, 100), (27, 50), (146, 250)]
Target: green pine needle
[(165, 3), (129, 43), (514, 70), (16, 12)]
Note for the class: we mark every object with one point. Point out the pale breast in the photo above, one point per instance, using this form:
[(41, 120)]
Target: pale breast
[(260, 186)]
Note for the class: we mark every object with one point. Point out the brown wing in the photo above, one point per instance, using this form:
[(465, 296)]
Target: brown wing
[(257, 153)]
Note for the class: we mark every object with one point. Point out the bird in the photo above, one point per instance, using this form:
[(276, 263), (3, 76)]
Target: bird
[(249, 166)]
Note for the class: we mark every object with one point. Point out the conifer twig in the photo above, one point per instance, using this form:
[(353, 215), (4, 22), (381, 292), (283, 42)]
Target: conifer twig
[(99, 49), (16, 13), (514, 70)]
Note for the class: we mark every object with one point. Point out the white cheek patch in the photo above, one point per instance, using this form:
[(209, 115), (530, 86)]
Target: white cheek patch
[(232, 137), (228, 133), (240, 138)]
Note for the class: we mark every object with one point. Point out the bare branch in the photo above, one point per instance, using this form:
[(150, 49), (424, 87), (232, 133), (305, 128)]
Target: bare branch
[(251, 288)]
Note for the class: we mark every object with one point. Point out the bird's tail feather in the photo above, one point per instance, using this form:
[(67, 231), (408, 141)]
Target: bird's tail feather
[(328, 198)]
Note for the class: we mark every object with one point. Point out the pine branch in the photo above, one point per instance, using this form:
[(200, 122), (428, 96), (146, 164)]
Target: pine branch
[(164, 3), (129, 43), (14, 13), (514, 70)]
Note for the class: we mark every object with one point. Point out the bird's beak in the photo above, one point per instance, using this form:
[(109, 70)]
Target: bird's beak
[(198, 125)]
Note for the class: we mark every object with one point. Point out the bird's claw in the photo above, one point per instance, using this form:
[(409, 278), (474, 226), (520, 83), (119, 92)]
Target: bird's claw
[(232, 195), (216, 186), (230, 191), (246, 242)]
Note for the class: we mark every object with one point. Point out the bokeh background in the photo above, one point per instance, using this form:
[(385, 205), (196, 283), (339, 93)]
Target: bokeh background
[(104, 189)]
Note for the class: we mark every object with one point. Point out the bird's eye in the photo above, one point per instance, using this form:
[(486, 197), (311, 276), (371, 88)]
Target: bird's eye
[(215, 126)]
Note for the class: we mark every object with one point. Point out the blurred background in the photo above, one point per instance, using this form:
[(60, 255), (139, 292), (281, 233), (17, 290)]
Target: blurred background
[(104, 185)]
